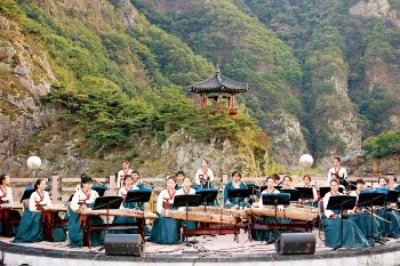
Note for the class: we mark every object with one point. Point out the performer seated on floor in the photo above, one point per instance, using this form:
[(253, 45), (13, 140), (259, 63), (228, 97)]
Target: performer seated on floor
[(392, 215), (123, 192), (307, 183), (31, 227), (363, 218), (180, 177), (165, 230), (287, 183), (82, 200), (266, 235), (235, 184), (5, 198), (123, 172), (352, 235)]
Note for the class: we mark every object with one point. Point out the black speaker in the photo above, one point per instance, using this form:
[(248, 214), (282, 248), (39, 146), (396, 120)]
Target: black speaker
[(124, 245), (296, 243)]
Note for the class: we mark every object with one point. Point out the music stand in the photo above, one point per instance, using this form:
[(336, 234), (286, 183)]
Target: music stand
[(326, 189), (294, 194), (190, 200), (306, 193), (240, 193), (341, 202), (392, 197), (275, 200), (109, 202), (207, 196), (278, 187), (139, 196), (100, 190)]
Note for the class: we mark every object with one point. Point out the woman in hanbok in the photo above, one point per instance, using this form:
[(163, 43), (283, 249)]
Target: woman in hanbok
[(165, 230), (187, 190), (266, 235), (180, 177), (393, 228), (362, 219), (287, 183), (235, 184), (204, 176), (307, 183), (81, 201), (352, 235), (123, 172), (6, 198), (31, 228), (123, 192)]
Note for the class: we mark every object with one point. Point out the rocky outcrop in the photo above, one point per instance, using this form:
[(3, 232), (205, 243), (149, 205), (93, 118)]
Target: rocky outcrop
[(128, 13), (25, 76), (376, 8), (363, 165), (288, 140)]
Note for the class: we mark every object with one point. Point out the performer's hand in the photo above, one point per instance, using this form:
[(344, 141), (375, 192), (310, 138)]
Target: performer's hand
[(333, 216), (83, 207), (245, 201), (228, 203), (203, 183)]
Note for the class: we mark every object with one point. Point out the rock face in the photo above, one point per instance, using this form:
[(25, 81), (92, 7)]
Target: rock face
[(368, 166), (128, 13), (288, 140), (376, 8), (25, 76)]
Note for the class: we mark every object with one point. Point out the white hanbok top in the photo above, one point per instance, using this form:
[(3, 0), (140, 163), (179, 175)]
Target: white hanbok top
[(208, 172), (124, 190), (6, 194), (121, 174), (327, 196), (37, 198), (81, 196), (340, 171), (165, 197)]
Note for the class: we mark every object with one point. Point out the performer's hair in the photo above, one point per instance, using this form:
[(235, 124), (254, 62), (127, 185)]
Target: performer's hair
[(125, 161), (236, 172), (37, 184), (127, 176), (276, 176), (308, 176), (334, 181), (360, 181), (290, 178), (205, 160), (270, 177), (86, 179), (2, 178), (337, 158), (135, 172), (188, 177), (385, 178), (171, 178), (83, 175), (180, 173), (335, 175)]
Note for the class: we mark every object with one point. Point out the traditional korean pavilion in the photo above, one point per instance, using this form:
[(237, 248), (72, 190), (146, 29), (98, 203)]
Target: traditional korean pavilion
[(220, 89)]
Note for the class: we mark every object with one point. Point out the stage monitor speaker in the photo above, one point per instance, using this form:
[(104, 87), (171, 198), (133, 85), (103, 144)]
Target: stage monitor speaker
[(296, 243), (124, 245)]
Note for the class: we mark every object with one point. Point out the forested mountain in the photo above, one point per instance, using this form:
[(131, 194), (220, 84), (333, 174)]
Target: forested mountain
[(108, 78)]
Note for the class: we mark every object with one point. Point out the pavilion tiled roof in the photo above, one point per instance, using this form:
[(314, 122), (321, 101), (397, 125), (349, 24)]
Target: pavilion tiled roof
[(217, 83)]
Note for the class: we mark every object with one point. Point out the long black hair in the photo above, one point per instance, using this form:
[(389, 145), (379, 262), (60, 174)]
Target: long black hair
[(37, 184)]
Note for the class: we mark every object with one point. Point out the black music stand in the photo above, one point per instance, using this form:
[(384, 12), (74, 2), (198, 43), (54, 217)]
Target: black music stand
[(392, 197), (324, 190), (341, 202), (190, 200), (372, 199), (100, 190), (294, 194), (239, 193), (305, 193), (207, 196), (108, 202), (139, 196), (275, 200)]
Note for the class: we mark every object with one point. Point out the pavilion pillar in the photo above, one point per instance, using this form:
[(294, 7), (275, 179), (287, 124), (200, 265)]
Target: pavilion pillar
[(204, 102)]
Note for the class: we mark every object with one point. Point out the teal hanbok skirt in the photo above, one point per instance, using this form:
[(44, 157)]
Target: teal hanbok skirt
[(165, 230), (124, 220), (75, 231), (363, 221), (352, 235), (392, 229)]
